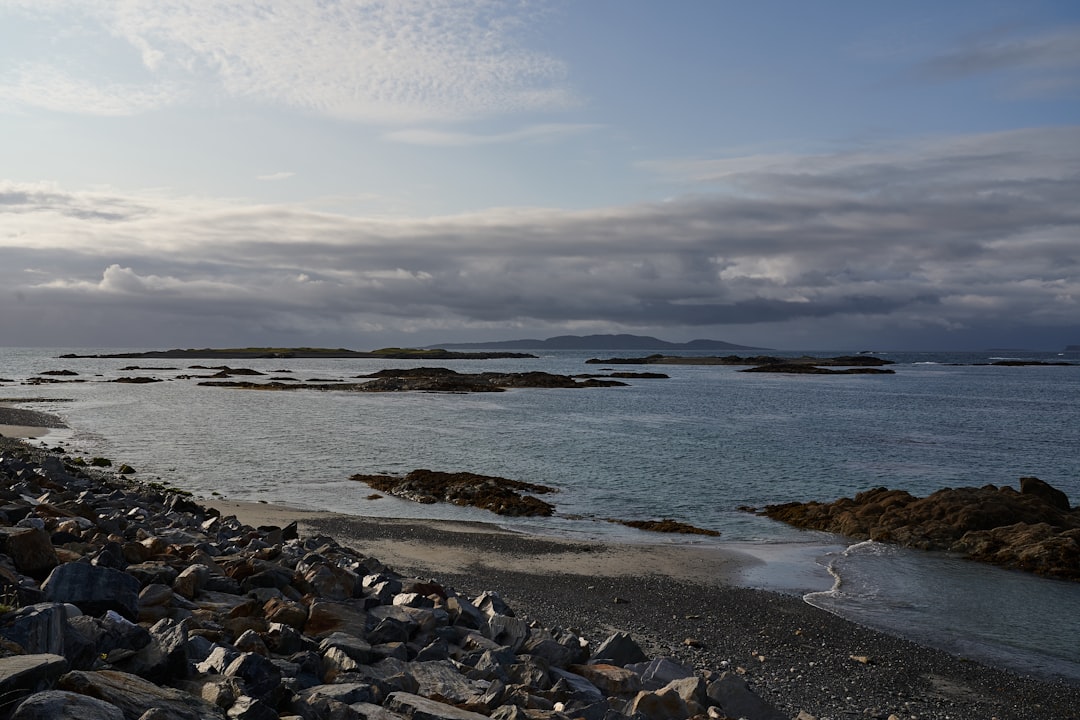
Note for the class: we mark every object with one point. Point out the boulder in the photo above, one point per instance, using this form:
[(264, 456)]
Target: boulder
[(133, 695), (27, 674), (416, 707), (31, 550), (94, 590), (63, 705), (737, 700), (619, 649)]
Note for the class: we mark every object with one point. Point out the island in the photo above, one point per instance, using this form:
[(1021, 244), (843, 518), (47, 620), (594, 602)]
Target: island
[(850, 364), (249, 353), (425, 379)]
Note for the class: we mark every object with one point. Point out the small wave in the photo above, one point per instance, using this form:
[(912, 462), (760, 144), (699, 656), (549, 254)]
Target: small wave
[(926, 362)]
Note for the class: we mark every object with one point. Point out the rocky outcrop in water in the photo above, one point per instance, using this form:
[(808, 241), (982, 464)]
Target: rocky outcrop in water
[(1034, 529), (487, 492), (125, 602), (427, 379)]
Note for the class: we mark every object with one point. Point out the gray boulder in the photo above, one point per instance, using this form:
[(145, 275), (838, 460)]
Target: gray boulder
[(63, 705), (94, 590)]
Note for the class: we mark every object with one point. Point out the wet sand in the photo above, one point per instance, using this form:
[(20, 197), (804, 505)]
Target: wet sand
[(19, 423)]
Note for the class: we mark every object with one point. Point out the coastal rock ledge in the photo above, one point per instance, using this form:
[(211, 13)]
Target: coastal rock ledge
[(1034, 529)]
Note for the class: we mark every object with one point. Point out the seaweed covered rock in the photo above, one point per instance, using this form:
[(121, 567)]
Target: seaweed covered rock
[(499, 495), (1034, 529)]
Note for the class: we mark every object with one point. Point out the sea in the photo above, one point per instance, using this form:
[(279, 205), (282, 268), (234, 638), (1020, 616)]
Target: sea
[(700, 447)]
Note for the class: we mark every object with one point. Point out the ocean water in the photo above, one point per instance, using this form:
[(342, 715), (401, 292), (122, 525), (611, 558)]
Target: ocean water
[(695, 447)]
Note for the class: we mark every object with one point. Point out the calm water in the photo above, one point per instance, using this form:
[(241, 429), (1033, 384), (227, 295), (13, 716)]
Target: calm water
[(694, 447)]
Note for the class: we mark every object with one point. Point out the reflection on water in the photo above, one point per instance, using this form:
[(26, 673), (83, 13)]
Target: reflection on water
[(1002, 617)]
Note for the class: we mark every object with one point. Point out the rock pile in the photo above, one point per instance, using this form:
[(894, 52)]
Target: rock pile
[(128, 602), (1034, 529)]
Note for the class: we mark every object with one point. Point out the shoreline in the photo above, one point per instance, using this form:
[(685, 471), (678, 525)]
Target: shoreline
[(25, 424), (679, 604)]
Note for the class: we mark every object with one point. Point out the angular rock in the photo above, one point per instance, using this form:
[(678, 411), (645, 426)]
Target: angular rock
[(249, 708), (662, 705), (22, 675), (63, 705), (416, 707), (259, 676), (736, 699), (619, 649), (133, 695), (326, 617), (659, 672), (507, 631), (38, 628), (30, 549), (611, 679), (94, 590)]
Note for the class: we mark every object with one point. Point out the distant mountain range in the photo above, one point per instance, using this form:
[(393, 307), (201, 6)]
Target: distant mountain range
[(600, 342)]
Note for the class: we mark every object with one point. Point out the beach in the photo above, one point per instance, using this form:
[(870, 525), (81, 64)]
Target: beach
[(677, 601), (20, 423)]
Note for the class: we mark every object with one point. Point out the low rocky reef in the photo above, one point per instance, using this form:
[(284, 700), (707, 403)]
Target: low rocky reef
[(128, 602), (1034, 529), (429, 379), (499, 495), (667, 525), (850, 364), (487, 492)]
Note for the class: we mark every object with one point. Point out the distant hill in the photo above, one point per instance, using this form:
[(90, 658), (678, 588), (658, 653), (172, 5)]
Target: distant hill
[(601, 342)]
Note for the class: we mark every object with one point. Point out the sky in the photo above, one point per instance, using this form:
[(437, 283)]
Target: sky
[(829, 175)]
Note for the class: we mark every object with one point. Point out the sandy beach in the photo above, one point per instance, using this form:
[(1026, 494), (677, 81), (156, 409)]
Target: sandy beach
[(678, 601)]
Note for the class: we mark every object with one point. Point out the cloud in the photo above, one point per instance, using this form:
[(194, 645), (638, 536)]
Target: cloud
[(1036, 64), (51, 88), (958, 233), (531, 133), (382, 61), (275, 176)]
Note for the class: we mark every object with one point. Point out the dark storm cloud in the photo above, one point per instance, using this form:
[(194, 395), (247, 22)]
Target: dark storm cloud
[(957, 233)]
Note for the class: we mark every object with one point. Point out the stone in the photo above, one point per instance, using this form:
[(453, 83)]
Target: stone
[(191, 580), (619, 649), (94, 590), (659, 672), (1045, 491), (259, 676), (349, 645), (736, 699), (507, 631), (416, 707), (662, 705), (611, 680), (63, 705), (579, 687), (38, 628), (249, 708), (133, 695), (326, 617), (28, 674), (31, 550)]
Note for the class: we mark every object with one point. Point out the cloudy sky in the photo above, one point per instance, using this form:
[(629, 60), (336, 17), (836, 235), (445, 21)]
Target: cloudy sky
[(361, 173)]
